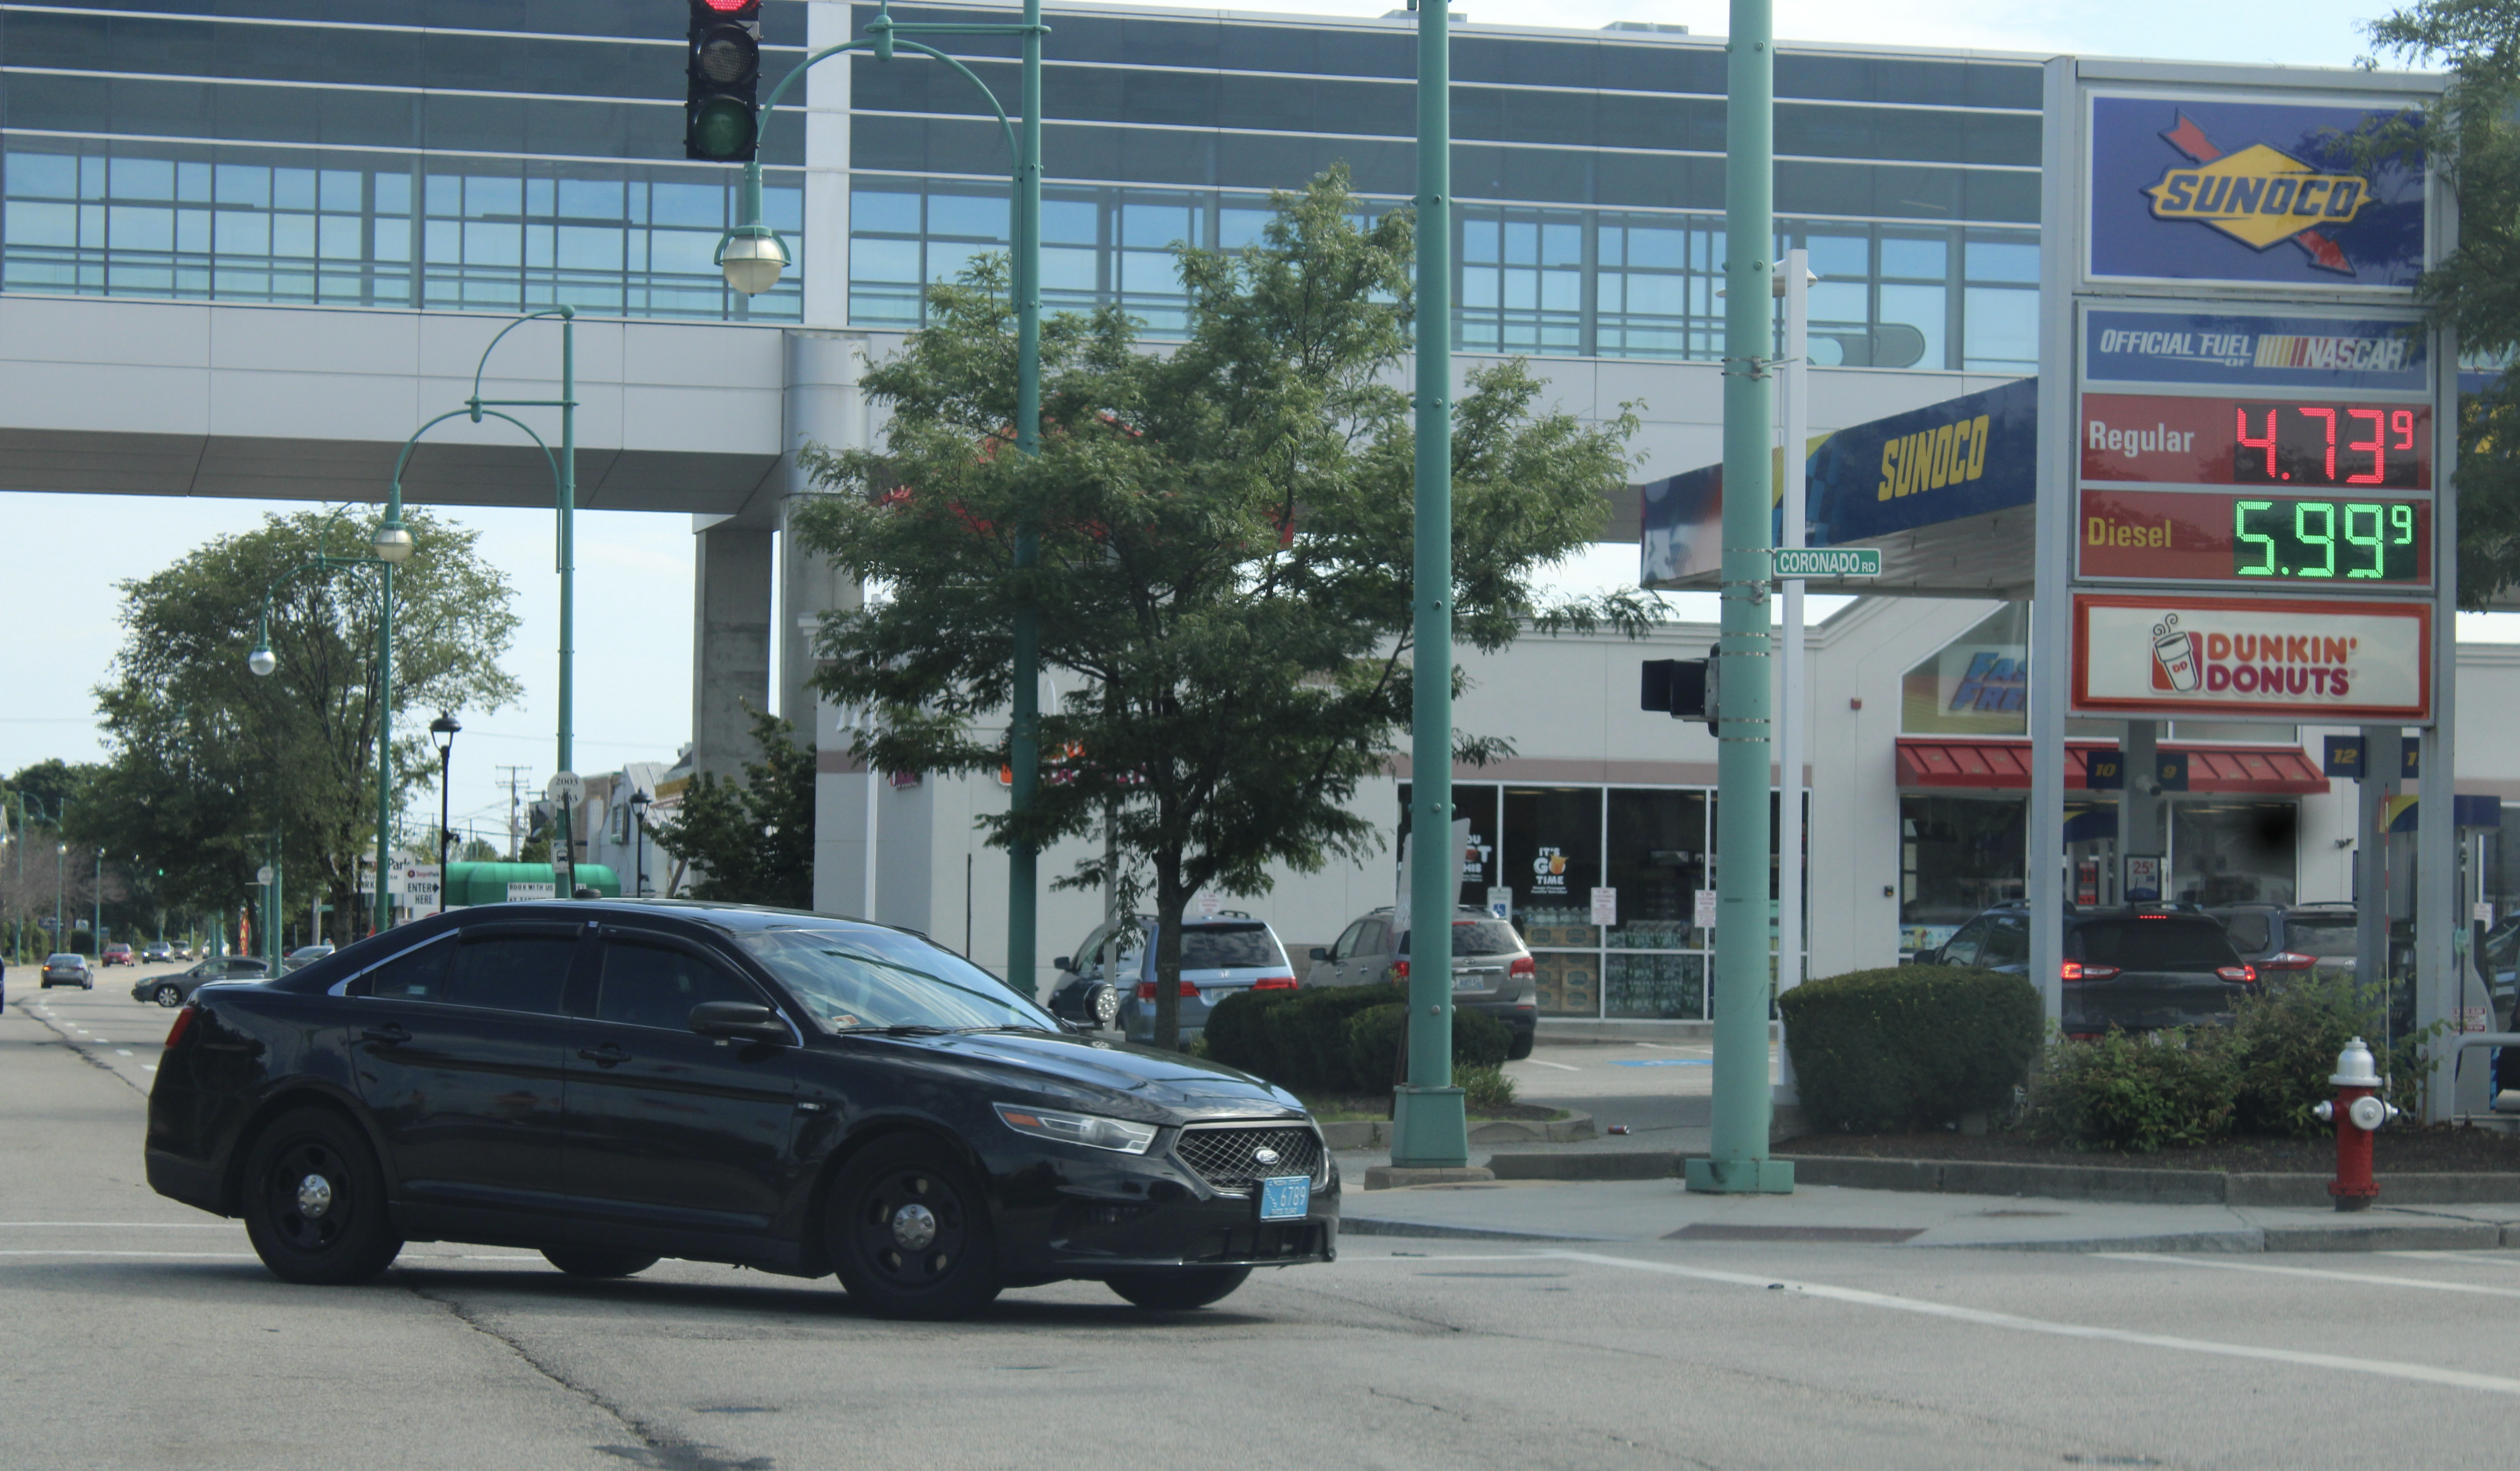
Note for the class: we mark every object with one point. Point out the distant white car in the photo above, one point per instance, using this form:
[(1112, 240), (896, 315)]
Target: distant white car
[(305, 956)]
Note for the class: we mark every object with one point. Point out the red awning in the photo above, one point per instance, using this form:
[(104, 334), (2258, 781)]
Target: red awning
[(2005, 766)]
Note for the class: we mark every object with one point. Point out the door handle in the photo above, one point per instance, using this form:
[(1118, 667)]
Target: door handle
[(389, 1033), (605, 1055)]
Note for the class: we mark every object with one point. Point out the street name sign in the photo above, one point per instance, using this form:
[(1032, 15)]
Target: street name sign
[(1828, 561)]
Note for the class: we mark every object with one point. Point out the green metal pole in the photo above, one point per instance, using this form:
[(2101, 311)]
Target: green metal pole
[(567, 541), (1429, 1128), (384, 735), (1023, 752), (1741, 1103)]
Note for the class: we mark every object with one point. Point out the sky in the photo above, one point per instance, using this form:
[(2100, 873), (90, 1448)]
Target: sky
[(59, 603)]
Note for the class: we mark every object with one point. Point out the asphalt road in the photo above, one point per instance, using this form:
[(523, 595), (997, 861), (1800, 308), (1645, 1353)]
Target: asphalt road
[(138, 1333)]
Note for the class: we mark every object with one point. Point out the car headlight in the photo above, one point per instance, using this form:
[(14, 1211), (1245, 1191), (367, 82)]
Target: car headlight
[(1091, 1130)]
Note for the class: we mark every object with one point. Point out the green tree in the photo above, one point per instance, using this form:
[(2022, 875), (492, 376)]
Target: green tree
[(753, 843), (2474, 138), (1225, 531), (213, 771)]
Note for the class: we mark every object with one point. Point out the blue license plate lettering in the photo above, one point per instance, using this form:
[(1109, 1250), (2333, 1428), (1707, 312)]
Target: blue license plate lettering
[(1289, 1197)]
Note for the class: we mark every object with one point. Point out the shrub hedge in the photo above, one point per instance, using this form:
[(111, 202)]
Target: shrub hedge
[(1334, 1039), (1908, 1046), (2140, 1092)]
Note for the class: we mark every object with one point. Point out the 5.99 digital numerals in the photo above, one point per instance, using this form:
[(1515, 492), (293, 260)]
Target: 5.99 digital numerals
[(2346, 541)]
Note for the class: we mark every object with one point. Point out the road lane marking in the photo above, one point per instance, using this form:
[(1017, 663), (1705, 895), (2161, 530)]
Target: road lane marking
[(2478, 1258), (2384, 1367), (1560, 1066), (2368, 1279), (122, 1052)]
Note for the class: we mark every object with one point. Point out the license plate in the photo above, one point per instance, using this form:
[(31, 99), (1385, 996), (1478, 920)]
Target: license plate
[(1289, 1197), (1473, 982)]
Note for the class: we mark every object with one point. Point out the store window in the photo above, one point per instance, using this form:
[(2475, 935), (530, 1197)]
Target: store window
[(1477, 803), (2230, 852), (1956, 855), (1552, 860), (1657, 862)]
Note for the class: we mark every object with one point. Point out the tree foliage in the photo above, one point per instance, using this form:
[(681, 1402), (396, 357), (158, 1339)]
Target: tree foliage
[(753, 843), (2474, 137), (1224, 532), (213, 771)]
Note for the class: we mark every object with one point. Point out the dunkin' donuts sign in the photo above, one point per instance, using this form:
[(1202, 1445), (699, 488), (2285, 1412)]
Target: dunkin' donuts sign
[(2252, 657)]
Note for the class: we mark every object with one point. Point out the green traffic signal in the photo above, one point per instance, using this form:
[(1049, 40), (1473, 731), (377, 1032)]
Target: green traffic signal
[(722, 129)]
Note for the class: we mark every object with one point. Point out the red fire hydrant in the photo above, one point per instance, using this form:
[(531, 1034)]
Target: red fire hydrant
[(2356, 1112)]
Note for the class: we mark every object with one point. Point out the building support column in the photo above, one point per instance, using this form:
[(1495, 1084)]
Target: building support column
[(826, 409), (2140, 803), (730, 643)]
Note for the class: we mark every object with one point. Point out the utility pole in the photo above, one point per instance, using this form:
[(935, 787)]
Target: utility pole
[(516, 778), (1743, 1105)]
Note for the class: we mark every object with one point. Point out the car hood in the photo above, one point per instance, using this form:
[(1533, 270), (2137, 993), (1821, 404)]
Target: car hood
[(1142, 1082)]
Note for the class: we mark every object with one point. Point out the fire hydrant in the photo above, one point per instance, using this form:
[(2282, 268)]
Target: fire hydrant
[(2356, 1112)]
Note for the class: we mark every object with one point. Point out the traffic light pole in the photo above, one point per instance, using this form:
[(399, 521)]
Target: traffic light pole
[(1428, 1126), (750, 240), (1739, 1161)]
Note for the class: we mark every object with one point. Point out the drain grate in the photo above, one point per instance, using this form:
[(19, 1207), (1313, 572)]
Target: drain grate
[(1881, 1235)]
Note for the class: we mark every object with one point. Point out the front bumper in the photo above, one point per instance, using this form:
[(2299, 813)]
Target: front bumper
[(1086, 1218)]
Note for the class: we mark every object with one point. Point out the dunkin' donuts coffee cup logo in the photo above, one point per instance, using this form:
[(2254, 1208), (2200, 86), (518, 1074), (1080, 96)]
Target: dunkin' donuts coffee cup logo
[(2173, 657)]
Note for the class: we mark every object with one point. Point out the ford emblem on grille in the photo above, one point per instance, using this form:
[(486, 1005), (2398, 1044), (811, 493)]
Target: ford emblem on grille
[(1265, 1156)]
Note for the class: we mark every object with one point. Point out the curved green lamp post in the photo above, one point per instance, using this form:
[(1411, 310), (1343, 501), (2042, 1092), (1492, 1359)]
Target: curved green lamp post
[(752, 256)]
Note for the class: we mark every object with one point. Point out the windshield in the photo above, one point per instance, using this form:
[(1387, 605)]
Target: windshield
[(1478, 937), (854, 979), (1222, 947)]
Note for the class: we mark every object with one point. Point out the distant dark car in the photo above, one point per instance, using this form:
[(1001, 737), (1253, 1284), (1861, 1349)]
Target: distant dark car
[(160, 954), (2292, 938), (118, 954), (177, 989), (2137, 969), (612, 1081), (66, 969)]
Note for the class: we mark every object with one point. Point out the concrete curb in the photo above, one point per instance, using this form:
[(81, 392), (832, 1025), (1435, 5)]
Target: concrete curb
[(1376, 1133), (2135, 1186), (1367, 1225)]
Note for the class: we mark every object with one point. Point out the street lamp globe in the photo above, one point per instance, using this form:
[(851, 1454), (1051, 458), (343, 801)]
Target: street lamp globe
[(443, 729), (261, 662), (393, 543), (752, 258)]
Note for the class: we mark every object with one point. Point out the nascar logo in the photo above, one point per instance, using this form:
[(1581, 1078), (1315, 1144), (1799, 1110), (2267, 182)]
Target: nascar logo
[(2260, 195)]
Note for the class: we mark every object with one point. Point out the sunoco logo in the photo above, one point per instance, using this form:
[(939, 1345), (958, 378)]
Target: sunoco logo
[(2260, 195)]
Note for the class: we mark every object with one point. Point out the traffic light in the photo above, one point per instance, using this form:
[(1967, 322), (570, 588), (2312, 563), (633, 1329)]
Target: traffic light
[(723, 69), (1685, 689)]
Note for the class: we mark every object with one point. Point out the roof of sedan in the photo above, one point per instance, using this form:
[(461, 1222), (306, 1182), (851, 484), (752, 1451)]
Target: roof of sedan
[(743, 918)]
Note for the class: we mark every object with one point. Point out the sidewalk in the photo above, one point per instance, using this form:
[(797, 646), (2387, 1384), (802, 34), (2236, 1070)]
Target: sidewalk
[(1651, 1210)]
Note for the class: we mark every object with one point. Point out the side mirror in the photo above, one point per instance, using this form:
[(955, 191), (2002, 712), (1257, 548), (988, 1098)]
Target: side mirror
[(750, 1021), (1064, 962), (1320, 953)]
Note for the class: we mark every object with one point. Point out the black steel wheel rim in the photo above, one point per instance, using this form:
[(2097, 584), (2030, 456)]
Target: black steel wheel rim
[(305, 1231), (912, 1265)]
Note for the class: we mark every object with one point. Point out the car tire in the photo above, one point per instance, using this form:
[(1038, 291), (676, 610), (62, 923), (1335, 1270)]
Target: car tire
[(87, 985), (168, 996), (598, 1261), (1520, 1047), (909, 1233), (1178, 1291), (314, 1201)]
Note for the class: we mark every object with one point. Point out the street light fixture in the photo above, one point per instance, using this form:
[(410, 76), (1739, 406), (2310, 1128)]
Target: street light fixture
[(262, 661), (752, 258), (638, 843), (393, 543), (443, 730)]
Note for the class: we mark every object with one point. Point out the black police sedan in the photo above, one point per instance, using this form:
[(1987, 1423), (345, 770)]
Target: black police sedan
[(612, 1081)]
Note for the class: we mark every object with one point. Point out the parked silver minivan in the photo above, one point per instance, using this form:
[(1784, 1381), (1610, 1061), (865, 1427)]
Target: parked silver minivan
[(1492, 970)]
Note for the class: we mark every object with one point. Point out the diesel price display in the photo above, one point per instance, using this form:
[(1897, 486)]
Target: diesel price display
[(2313, 540), (2238, 538)]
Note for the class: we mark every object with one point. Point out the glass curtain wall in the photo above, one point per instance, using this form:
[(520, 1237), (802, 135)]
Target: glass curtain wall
[(1550, 846)]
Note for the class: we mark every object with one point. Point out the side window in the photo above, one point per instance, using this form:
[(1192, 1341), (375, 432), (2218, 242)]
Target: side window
[(654, 986), (1375, 939), (1083, 959), (511, 972), (2006, 944), (415, 975), (1345, 949), (1963, 949)]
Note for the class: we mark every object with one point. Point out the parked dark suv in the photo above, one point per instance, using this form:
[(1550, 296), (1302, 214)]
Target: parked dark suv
[(2136, 968)]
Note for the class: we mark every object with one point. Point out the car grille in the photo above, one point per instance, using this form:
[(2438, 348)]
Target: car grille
[(1226, 1158)]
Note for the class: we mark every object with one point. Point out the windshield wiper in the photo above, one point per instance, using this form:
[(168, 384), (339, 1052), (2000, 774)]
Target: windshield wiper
[(902, 1029)]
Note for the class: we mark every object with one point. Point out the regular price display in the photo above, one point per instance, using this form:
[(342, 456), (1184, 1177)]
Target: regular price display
[(2323, 540), (2301, 447), (2323, 445)]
